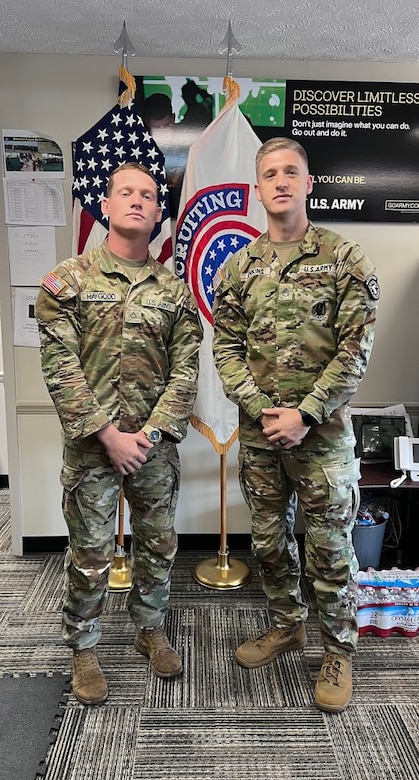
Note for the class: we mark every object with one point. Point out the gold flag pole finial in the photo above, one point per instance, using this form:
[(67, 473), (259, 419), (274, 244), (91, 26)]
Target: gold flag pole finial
[(231, 88), (124, 46)]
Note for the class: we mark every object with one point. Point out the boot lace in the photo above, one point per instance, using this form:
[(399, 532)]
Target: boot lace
[(260, 640), (87, 663), (332, 669), (158, 640)]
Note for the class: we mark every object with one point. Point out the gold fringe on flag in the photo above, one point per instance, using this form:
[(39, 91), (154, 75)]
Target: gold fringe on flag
[(128, 94), (203, 428), (232, 91)]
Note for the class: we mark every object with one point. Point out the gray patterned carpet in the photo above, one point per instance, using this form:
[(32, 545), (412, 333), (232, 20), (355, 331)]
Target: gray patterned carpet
[(218, 720)]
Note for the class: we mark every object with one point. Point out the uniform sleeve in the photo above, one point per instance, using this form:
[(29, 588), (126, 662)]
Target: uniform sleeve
[(174, 407), (358, 294), (59, 329), (230, 329)]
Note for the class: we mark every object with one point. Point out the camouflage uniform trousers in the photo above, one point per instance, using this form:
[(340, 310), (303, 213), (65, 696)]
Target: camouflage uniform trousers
[(326, 484), (90, 500)]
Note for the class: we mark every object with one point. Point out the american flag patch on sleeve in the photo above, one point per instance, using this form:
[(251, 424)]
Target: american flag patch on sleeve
[(53, 283), (218, 278)]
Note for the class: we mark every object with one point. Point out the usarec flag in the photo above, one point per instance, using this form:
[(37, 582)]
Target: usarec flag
[(119, 137), (218, 214)]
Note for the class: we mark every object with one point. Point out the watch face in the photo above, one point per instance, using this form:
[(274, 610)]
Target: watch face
[(154, 436)]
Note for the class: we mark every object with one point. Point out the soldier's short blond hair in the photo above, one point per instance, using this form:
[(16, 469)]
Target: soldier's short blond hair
[(129, 166), (275, 144)]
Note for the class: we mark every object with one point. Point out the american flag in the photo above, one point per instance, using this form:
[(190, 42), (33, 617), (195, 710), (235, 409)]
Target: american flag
[(120, 136)]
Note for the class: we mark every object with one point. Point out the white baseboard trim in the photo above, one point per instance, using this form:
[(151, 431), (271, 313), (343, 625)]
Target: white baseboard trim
[(46, 407)]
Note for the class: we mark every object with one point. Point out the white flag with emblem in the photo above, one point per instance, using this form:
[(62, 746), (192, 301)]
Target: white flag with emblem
[(218, 214)]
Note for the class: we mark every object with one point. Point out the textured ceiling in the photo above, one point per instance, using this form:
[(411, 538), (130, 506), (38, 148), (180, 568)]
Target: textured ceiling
[(354, 30)]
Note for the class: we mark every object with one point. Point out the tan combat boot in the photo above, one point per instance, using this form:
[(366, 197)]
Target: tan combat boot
[(334, 683), (89, 682), (263, 649), (154, 643)]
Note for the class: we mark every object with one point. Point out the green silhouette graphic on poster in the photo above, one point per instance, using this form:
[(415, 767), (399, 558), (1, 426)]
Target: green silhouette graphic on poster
[(176, 109), (362, 138)]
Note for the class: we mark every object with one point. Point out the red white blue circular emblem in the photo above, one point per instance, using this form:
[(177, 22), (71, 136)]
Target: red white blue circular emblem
[(210, 230)]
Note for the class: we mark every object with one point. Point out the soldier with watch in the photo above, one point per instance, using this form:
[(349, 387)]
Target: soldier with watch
[(120, 336), (153, 435), (294, 320)]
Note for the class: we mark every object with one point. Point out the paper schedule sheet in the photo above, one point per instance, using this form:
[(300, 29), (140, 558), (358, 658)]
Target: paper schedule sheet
[(34, 202)]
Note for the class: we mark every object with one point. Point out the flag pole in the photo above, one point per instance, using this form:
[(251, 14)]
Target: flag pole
[(124, 46), (120, 575), (223, 572)]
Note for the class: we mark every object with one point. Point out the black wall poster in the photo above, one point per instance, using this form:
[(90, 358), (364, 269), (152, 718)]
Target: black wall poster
[(362, 138)]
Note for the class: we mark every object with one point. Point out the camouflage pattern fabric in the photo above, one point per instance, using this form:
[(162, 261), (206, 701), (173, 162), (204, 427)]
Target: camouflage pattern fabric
[(300, 336), (90, 500), (122, 352), (118, 352), (328, 494)]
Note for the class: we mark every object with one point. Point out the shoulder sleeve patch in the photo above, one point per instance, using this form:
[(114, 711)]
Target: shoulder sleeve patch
[(53, 283), (373, 287), (218, 278)]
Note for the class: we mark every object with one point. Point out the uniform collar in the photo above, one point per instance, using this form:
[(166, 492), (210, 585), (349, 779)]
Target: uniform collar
[(109, 265), (309, 245)]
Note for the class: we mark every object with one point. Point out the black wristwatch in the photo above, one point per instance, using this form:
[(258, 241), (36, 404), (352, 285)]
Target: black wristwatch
[(307, 418)]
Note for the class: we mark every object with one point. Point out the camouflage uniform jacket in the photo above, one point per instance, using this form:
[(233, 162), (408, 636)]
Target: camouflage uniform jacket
[(298, 336), (112, 351)]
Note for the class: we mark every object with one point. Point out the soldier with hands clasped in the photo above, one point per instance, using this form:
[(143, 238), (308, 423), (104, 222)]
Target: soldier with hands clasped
[(294, 319), (120, 336)]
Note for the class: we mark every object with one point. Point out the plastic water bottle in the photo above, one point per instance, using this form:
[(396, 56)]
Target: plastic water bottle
[(378, 512), (371, 514), (364, 516)]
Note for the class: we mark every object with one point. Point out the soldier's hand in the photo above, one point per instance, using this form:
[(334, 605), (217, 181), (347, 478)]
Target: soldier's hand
[(126, 451), (283, 427)]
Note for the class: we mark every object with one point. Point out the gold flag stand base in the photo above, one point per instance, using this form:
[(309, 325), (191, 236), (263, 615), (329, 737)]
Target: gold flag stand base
[(223, 572), (120, 575)]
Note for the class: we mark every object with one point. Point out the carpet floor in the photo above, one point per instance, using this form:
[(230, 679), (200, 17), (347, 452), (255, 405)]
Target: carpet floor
[(217, 720)]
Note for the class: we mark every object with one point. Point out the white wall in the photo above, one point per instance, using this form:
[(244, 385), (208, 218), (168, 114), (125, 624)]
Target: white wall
[(4, 466), (62, 96)]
